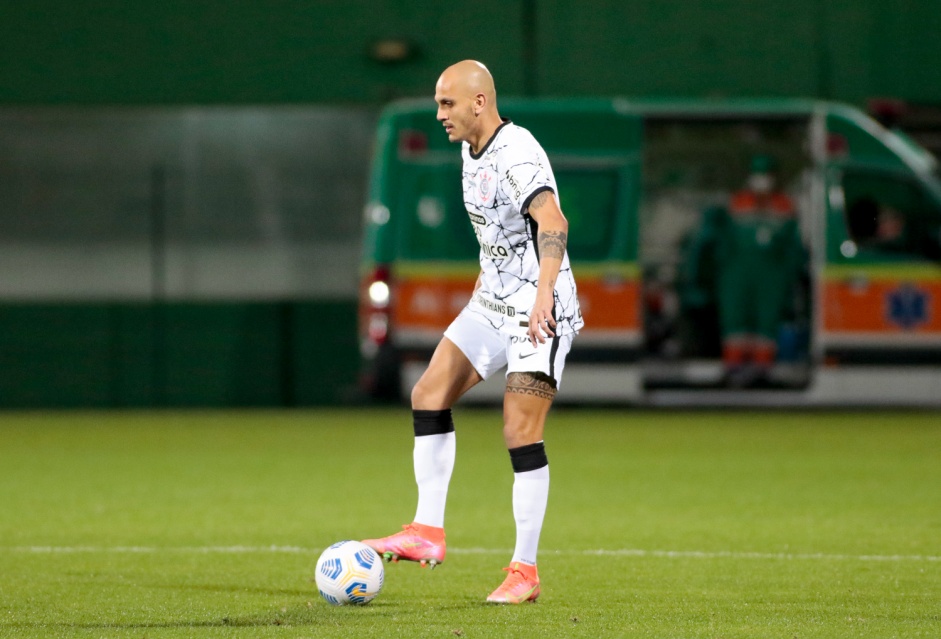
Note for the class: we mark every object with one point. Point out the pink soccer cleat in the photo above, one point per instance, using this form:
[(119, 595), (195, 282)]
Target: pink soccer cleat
[(416, 542), (522, 584)]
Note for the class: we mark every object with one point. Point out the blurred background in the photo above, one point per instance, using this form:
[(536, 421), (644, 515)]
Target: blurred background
[(182, 184)]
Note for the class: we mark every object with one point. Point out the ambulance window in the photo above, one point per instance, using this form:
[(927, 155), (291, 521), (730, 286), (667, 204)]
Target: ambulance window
[(588, 200), (890, 215), (437, 226)]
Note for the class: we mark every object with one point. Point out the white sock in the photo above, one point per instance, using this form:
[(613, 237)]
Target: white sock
[(530, 496), (433, 457)]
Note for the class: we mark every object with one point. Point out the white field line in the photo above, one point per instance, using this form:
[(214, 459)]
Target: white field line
[(622, 552)]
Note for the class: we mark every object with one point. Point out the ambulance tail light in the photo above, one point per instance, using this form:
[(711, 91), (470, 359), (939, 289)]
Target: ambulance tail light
[(412, 143), (375, 309), (837, 146), (887, 111)]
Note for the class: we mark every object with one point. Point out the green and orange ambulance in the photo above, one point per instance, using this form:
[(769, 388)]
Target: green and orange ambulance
[(636, 180)]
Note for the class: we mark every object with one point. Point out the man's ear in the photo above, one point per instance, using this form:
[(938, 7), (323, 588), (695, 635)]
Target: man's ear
[(480, 101)]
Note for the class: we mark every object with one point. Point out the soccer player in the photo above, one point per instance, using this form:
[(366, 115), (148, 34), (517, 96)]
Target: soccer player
[(523, 315)]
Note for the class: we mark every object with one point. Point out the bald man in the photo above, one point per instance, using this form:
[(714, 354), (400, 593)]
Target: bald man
[(523, 315)]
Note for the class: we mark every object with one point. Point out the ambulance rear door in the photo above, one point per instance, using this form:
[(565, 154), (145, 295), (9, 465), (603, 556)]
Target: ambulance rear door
[(694, 161)]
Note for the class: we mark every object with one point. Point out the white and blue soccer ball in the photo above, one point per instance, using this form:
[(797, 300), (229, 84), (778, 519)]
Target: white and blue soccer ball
[(349, 572)]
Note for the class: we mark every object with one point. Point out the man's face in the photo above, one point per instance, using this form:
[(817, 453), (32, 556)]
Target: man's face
[(455, 110)]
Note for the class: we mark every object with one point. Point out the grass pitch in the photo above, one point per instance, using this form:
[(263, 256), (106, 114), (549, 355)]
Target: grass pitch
[(681, 525)]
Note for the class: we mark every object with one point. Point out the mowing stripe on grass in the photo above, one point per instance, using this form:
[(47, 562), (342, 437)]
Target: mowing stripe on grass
[(620, 552)]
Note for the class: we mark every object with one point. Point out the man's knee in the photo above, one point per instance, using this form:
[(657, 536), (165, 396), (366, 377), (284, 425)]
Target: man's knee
[(425, 396), (420, 397), (439, 389)]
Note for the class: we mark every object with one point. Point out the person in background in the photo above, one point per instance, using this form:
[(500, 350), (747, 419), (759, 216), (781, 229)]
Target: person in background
[(759, 255), (697, 284)]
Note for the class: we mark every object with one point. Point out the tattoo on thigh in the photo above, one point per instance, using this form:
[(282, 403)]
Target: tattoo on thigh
[(552, 243), (529, 384)]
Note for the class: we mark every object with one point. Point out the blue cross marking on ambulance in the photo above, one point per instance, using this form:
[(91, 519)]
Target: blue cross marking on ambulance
[(907, 306)]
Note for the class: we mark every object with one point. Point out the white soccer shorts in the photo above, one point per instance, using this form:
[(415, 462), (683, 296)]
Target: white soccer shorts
[(489, 349)]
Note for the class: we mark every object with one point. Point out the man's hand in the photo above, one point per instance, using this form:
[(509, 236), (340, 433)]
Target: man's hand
[(550, 242), (541, 322)]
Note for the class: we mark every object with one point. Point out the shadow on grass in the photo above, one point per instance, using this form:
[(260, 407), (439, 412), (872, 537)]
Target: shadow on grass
[(236, 589), (287, 620), (221, 623), (313, 615)]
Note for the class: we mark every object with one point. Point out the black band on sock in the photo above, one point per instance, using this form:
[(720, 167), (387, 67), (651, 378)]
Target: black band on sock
[(432, 422), (529, 457)]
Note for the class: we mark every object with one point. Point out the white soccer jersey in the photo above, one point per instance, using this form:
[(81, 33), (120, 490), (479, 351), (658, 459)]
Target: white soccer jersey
[(499, 183)]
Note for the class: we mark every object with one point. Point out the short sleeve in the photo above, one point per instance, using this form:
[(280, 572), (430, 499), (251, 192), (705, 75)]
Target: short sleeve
[(525, 172)]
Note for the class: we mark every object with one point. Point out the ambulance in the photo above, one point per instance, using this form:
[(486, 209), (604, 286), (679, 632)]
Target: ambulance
[(636, 181)]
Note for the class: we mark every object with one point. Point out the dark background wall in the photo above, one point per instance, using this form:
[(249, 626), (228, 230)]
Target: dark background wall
[(172, 354), (99, 59), (238, 51)]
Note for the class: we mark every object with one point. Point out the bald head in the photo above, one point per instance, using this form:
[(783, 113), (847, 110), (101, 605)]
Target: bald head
[(467, 102), (470, 78)]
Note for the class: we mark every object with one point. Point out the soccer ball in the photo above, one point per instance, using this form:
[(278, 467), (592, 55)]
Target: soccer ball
[(349, 572)]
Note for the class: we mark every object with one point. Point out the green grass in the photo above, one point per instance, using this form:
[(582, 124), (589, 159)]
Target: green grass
[(675, 525)]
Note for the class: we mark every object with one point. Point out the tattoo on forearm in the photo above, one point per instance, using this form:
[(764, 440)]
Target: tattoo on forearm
[(552, 244), (529, 384)]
